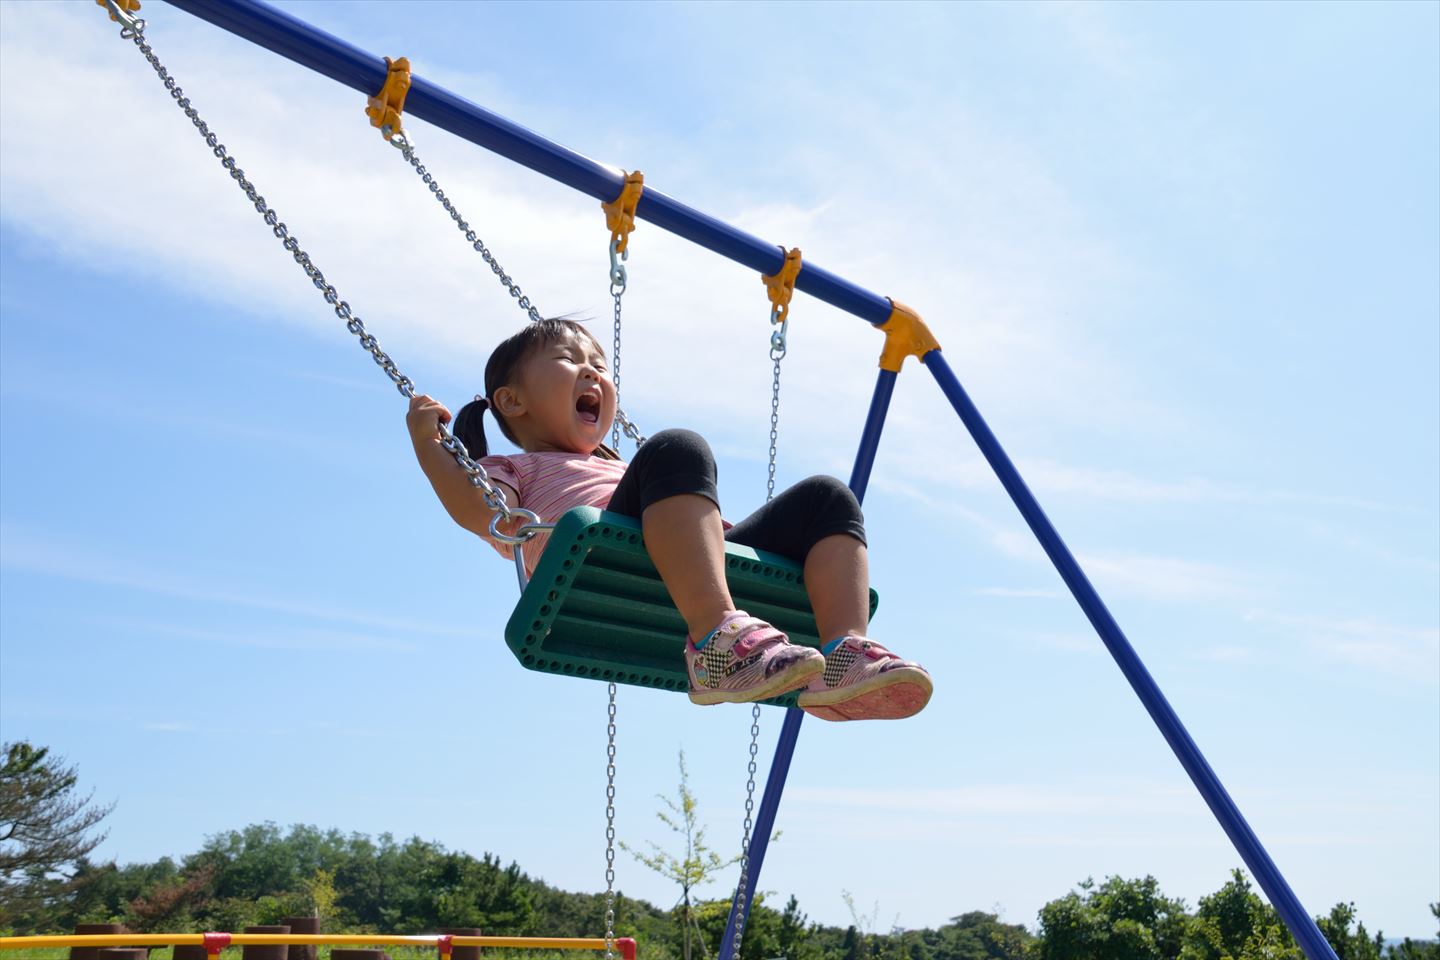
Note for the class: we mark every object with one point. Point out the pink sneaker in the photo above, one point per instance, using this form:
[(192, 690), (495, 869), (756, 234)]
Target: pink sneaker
[(864, 681), (746, 659)]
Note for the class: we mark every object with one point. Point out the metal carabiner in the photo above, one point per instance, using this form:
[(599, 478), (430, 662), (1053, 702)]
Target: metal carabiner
[(523, 533), (778, 344), (617, 269), (130, 24)]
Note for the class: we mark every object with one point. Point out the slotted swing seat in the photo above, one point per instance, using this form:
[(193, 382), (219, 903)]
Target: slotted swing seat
[(596, 607)]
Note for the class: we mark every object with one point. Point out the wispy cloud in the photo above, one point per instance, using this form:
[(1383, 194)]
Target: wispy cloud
[(1021, 593), (25, 551), (266, 638), (1118, 799), (1411, 652)]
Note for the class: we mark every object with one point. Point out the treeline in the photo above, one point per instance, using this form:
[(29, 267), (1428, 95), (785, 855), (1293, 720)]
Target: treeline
[(354, 883)]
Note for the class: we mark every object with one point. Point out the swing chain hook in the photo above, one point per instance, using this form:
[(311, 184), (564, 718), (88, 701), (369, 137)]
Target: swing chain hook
[(778, 339), (617, 267), (132, 27)]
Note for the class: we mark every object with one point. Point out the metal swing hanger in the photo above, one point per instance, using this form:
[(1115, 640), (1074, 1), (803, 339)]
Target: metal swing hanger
[(385, 110)]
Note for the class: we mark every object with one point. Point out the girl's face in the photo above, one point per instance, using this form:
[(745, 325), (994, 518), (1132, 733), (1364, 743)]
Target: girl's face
[(563, 398)]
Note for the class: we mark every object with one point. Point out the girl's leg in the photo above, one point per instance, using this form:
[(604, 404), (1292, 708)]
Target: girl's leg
[(670, 487), (730, 657), (687, 544), (837, 577), (818, 521)]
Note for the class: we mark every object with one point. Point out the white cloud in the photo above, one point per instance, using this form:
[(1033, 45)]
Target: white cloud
[(1411, 652), (26, 551)]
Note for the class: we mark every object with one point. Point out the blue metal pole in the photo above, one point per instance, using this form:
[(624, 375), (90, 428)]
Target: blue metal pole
[(790, 729), (1246, 843), (326, 54)]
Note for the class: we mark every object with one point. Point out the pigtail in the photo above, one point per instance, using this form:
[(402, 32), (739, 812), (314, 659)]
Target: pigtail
[(469, 427)]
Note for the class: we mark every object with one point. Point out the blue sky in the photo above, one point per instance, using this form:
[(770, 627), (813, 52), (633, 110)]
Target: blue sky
[(1184, 258)]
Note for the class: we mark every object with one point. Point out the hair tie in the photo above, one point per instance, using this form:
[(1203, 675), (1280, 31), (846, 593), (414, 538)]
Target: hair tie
[(484, 404)]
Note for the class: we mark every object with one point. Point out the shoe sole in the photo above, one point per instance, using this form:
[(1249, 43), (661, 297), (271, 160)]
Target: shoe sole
[(797, 676), (893, 695)]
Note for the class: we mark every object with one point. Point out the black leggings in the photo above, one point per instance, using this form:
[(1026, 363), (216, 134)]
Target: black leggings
[(675, 462)]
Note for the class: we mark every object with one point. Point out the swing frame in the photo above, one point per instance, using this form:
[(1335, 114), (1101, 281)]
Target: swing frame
[(906, 336)]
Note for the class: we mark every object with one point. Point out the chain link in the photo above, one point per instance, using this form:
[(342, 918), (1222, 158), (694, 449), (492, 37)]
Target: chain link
[(133, 29), (774, 432), (610, 832)]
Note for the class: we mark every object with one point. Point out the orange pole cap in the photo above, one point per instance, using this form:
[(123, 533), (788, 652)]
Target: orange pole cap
[(905, 336), (385, 107)]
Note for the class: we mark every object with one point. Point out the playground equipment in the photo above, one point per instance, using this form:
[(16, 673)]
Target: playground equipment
[(905, 335), (213, 943)]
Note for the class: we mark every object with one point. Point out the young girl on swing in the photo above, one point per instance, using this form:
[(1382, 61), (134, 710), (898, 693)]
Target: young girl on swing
[(551, 395)]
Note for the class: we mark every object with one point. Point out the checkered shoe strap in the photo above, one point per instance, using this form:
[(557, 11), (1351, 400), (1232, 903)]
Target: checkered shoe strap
[(846, 651)]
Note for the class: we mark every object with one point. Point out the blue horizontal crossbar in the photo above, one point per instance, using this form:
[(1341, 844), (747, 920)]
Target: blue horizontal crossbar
[(326, 54)]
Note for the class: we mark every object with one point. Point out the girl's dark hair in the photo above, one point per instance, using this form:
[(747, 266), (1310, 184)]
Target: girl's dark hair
[(500, 370)]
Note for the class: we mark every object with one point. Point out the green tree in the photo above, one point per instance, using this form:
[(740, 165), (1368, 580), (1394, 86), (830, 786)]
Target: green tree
[(1117, 920), (978, 936), (1408, 949), (694, 866), (1348, 944), (45, 831)]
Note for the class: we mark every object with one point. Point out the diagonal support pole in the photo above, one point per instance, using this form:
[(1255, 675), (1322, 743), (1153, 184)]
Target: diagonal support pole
[(1301, 925)]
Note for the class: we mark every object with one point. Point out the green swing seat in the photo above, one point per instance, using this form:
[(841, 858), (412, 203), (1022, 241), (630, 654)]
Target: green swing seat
[(596, 606)]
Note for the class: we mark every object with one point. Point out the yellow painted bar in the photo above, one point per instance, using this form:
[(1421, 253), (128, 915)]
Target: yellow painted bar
[(302, 939)]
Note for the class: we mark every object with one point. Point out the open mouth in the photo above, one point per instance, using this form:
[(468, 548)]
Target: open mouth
[(588, 407)]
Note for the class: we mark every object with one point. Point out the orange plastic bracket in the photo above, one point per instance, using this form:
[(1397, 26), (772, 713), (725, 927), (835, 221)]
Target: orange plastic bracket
[(905, 336), (781, 286), (385, 107), (620, 212), (129, 6)]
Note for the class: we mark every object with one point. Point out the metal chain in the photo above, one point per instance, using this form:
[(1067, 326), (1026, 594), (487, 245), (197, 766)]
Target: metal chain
[(618, 278), (406, 146), (774, 431), (610, 832), (133, 29), (778, 347), (407, 149), (741, 899)]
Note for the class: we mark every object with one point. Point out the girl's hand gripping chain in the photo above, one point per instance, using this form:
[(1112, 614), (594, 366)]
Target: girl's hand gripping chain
[(462, 499)]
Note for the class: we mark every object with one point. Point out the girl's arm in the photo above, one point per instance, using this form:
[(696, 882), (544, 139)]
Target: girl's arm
[(461, 499)]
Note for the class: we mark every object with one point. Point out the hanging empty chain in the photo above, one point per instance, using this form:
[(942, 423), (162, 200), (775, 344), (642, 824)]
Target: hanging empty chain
[(780, 287), (610, 830), (132, 28)]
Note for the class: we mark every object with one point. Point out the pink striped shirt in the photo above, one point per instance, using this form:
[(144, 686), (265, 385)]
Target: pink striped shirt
[(551, 483)]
